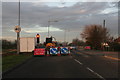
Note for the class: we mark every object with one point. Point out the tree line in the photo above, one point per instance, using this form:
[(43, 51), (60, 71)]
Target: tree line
[(92, 35), (8, 44), (98, 38)]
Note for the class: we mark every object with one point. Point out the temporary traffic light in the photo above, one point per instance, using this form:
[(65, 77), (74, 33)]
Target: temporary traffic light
[(37, 36)]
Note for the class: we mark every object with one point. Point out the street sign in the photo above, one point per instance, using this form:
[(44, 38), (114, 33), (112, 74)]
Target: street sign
[(53, 51), (40, 51), (17, 29)]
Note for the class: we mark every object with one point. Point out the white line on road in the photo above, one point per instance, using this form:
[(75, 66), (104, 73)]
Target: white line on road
[(95, 73), (91, 70), (78, 61)]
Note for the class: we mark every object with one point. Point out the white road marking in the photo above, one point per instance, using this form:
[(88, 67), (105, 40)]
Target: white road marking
[(78, 61), (91, 70), (95, 73)]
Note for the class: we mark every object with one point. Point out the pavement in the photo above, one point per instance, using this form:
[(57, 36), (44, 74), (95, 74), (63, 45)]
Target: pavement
[(76, 66), (107, 54)]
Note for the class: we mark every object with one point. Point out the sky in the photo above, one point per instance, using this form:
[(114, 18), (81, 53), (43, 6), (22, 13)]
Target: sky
[(72, 18)]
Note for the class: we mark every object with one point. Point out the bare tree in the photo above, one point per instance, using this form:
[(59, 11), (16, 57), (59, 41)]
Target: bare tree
[(95, 35), (78, 42)]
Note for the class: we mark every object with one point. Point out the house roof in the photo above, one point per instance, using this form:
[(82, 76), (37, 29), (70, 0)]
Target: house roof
[(117, 40)]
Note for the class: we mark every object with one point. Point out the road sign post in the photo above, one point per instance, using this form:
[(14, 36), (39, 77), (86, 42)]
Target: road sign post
[(17, 30)]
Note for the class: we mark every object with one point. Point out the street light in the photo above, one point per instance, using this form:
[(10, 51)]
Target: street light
[(65, 35), (49, 25), (18, 33)]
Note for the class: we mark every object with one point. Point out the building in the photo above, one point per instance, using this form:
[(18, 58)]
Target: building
[(117, 40)]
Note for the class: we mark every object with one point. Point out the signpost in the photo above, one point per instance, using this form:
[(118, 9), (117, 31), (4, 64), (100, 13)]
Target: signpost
[(17, 30)]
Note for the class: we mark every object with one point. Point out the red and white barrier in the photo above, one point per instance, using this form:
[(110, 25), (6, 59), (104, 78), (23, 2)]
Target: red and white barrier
[(39, 51)]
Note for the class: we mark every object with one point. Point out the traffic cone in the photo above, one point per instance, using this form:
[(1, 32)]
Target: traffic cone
[(48, 53), (58, 54), (69, 51)]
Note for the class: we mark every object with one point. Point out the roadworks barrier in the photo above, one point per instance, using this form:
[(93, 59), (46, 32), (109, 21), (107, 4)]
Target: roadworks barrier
[(58, 51)]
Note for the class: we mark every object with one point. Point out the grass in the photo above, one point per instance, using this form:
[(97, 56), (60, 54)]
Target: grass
[(4, 51), (10, 61)]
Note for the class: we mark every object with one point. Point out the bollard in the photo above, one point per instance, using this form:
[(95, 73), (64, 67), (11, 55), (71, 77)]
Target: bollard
[(58, 54), (68, 50), (48, 53)]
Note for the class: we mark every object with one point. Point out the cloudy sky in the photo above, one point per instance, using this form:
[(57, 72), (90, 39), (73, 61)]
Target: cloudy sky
[(71, 16)]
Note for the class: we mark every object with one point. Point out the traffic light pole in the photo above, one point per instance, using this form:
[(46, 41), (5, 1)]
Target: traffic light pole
[(38, 37)]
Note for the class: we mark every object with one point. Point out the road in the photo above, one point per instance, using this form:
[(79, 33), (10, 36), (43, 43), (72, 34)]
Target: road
[(71, 66)]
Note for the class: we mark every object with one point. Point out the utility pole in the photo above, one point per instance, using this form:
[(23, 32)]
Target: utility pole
[(104, 46)]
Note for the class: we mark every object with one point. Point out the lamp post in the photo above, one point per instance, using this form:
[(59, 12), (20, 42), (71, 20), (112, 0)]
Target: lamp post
[(65, 37), (18, 29), (49, 26)]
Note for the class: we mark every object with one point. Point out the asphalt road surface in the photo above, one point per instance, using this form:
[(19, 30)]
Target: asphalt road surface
[(71, 66)]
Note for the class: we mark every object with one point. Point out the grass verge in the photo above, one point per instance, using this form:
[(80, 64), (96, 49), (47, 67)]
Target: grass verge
[(13, 60)]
